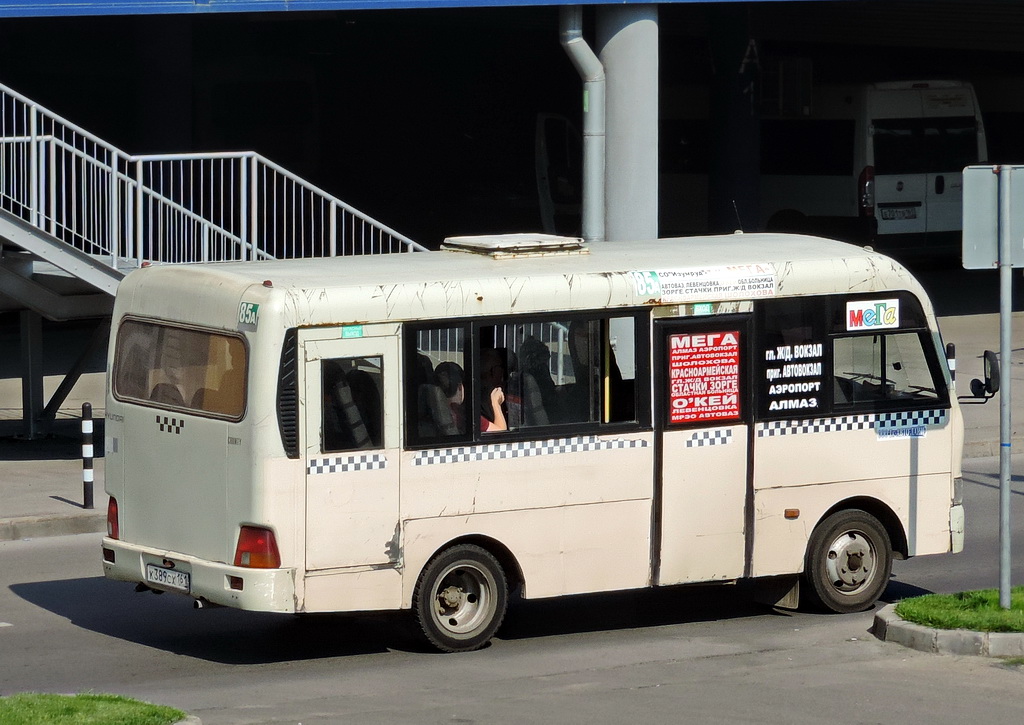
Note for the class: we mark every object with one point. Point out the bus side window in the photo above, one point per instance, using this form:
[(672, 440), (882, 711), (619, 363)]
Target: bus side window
[(352, 413), (884, 367), (568, 370), (437, 389), (790, 361)]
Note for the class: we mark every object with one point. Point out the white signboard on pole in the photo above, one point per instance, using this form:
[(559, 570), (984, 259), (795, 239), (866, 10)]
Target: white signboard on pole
[(981, 215), (994, 237)]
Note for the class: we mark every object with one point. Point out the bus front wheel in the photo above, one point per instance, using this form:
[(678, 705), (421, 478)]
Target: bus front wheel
[(849, 560), (461, 598)]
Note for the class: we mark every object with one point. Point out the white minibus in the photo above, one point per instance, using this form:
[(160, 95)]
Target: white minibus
[(869, 163), (880, 163), (432, 431)]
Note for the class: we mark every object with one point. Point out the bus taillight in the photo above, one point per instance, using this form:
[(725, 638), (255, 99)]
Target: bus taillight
[(257, 548), (113, 529)]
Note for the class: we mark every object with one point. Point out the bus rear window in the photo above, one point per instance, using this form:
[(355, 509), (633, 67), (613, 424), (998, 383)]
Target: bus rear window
[(174, 367)]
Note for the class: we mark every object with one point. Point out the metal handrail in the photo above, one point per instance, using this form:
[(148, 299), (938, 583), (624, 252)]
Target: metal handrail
[(124, 209)]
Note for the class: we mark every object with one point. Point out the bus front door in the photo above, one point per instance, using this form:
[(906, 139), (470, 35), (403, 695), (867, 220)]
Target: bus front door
[(351, 447), (703, 428)]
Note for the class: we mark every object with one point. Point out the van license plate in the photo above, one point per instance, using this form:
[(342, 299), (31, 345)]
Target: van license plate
[(168, 577), (899, 213)]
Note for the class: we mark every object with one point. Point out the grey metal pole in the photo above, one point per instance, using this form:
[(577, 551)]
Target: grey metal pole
[(1005, 354), (32, 374), (592, 73)]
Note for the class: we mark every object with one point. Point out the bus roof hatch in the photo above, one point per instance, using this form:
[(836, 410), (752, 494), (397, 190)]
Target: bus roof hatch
[(500, 246)]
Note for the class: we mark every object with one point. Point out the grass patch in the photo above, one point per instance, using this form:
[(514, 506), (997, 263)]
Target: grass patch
[(83, 709), (977, 611)]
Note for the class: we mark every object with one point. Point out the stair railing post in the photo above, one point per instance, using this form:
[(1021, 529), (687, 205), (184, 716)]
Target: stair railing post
[(138, 212), (334, 228), (33, 161), (114, 211), (243, 210), (254, 204), (53, 185)]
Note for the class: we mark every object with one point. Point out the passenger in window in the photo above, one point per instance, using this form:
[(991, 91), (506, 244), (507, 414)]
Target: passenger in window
[(366, 397), (578, 398), (540, 404), (492, 382), (433, 413), (451, 378)]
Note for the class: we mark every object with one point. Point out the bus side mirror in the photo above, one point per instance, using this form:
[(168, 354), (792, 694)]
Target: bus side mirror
[(988, 387)]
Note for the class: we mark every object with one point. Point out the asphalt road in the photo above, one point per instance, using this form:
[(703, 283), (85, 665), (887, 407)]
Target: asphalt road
[(704, 655)]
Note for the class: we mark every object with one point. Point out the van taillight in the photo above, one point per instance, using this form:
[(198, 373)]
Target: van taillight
[(113, 529), (257, 548), (866, 191)]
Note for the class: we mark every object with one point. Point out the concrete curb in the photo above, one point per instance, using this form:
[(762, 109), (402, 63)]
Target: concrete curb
[(190, 720), (890, 627), (35, 527)]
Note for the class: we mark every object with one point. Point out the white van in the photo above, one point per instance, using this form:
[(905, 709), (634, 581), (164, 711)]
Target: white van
[(432, 431), (879, 163)]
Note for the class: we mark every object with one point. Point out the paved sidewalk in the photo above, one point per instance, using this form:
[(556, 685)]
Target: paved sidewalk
[(41, 489)]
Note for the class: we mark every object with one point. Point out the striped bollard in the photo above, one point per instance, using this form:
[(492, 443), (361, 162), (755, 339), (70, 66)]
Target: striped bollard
[(87, 455), (951, 359)]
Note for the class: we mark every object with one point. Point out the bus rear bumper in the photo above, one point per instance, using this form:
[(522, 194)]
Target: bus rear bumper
[(258, 590)]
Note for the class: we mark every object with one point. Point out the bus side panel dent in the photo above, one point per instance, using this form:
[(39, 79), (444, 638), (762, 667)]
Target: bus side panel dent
[(956, 529), (599, 547), (368, 590)]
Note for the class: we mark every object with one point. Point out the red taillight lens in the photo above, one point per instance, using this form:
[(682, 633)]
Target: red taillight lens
[(257, 548), (866, 191), (113, 529)]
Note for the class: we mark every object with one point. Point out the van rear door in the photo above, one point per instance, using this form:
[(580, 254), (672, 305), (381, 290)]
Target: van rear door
[(952, 131)]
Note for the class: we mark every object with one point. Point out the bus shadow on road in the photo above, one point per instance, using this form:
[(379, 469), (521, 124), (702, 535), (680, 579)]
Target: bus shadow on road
[(635, 609), (169, 622), (899, 590)]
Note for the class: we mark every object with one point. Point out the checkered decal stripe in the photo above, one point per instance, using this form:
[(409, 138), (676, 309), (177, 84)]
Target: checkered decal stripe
[(917, 417), (703, 438), (523, 449), (346, 464), (170, 425), (874, 421)]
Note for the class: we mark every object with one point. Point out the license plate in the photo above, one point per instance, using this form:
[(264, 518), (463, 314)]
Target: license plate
[(899, 213), (167, 577)]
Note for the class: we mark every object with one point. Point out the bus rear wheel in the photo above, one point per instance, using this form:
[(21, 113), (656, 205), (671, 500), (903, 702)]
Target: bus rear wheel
[(849, 560), (461, 598)]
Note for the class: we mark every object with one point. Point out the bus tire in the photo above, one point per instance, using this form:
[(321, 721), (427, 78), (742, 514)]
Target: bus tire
[(849, 560), (461, 598)]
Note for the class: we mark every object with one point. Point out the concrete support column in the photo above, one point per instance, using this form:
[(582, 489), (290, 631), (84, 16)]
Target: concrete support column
[(627, 45), (31, 374), (734, 180)]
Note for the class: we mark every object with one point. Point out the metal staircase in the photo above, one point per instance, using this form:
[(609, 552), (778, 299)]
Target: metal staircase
[(77, 204), (76, 214)]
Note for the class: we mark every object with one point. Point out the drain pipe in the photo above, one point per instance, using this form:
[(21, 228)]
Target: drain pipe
[(591, 71)]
